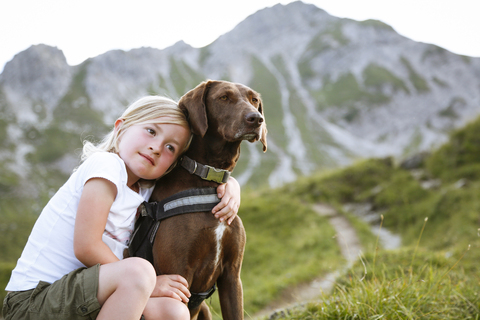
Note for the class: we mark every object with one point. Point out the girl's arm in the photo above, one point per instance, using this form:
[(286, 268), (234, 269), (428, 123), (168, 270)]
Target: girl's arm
[(95, 202), (227, 209)]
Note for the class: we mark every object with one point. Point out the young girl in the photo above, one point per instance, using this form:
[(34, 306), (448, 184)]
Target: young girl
[(72, 267)]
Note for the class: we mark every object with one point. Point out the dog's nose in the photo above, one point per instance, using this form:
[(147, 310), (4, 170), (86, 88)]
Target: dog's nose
[(254, 118)]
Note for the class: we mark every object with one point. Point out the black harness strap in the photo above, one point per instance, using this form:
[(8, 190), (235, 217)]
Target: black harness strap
[(197, 298), (150, 215)]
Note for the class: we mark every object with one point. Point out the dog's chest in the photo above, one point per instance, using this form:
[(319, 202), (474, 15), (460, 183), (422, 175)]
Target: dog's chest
[(219, 233)]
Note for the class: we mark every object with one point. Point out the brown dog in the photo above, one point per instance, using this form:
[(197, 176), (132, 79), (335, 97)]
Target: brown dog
[(196, 245)]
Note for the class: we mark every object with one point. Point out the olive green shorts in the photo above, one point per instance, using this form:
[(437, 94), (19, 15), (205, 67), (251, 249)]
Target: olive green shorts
[(72, 297)]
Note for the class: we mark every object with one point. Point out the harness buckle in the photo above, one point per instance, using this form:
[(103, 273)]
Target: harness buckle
[(214, 174)]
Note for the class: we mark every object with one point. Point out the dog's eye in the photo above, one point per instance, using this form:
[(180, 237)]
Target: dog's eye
[(224, 98), (255, 100)]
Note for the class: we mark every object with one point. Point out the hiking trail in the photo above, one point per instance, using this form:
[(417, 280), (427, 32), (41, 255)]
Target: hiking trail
[(350, 248)]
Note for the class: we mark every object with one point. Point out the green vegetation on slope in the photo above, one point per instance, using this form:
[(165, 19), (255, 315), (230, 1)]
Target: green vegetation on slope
[(328, 39), (264, 81), (435, 275), (460, 157), (417, 80), (386, 286), (73, 116), (376, 77), (183, 77), (347, 92)]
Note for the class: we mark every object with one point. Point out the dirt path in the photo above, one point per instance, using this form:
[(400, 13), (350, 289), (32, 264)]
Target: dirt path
[(350, 248)]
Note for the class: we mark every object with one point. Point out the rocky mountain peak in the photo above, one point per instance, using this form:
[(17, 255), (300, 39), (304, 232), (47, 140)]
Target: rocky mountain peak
[(334, 90), (35, 79), (287, 26)]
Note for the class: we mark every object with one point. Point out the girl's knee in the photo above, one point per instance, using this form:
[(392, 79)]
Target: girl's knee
[(139, 272), (166, 309), (177, 311), (133, 276)]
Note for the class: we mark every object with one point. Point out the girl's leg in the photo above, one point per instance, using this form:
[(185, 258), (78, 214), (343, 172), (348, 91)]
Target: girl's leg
[(166, 309), (124, 287)]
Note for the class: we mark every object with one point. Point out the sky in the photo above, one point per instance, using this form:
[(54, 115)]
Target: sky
[(88, 28)]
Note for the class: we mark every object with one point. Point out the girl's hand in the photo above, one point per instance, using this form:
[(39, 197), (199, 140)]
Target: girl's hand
[(227, 208), (172, 286)]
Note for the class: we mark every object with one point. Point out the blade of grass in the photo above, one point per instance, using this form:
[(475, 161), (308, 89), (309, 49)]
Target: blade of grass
[(418, 243), (376, 245)]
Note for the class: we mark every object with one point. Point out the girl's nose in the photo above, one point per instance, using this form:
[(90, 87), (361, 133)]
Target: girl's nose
[(155, 150)]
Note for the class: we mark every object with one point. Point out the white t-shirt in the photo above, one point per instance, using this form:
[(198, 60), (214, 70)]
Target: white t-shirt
[(48, 254)]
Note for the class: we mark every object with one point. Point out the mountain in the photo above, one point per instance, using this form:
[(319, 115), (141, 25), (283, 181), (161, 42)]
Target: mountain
[(335, 90)]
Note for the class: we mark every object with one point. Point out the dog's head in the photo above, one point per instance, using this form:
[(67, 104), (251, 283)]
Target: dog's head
[(234, 110)]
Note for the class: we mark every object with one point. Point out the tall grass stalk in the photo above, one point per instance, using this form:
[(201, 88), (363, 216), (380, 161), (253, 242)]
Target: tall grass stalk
[(454, 265), (376, 244), (418, 243)]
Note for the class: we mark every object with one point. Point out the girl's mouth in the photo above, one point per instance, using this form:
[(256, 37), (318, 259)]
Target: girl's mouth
[(150, 159)]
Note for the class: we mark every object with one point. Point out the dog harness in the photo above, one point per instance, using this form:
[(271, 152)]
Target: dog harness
[(150, 215)]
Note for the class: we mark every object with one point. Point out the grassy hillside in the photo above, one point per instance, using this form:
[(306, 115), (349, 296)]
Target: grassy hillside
[(436, 209)]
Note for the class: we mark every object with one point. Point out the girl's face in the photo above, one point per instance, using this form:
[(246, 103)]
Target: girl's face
[(149, 149)]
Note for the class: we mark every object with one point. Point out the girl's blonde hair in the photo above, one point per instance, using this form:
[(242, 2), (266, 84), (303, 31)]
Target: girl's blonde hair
[(147, 109)]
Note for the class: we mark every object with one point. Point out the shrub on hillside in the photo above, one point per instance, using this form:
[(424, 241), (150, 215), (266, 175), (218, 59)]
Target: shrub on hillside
[(460, 157)]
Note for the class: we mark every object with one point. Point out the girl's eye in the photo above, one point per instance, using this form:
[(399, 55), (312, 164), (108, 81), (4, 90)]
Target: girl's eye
[(171, 148), (151, 131)]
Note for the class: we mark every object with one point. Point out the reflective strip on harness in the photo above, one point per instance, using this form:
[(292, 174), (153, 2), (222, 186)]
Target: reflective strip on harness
[(191, 200), (188, 201)]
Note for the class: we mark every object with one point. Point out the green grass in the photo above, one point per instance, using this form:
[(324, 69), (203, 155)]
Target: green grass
[(16, 222), (387, 286), (8, 179), (5, 271)]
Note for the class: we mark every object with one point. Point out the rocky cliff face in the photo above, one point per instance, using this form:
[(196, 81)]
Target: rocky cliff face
[(334, 90)]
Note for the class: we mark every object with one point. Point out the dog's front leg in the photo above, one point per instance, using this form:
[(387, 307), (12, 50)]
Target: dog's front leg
[(230, 292), (204, 313)]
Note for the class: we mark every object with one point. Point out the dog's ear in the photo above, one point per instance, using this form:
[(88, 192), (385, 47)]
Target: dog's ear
[(263, 138), (193, 105)]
